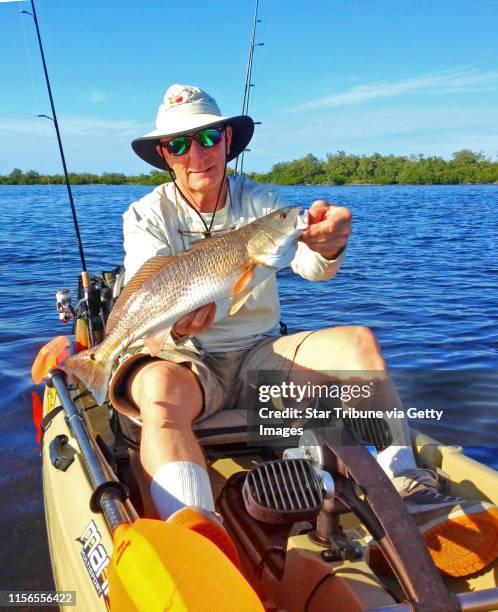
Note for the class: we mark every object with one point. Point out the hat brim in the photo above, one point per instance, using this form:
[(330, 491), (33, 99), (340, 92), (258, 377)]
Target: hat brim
[(242, 131)]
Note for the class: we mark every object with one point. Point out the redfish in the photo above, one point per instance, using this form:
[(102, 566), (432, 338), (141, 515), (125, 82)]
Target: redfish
[(167, 287)]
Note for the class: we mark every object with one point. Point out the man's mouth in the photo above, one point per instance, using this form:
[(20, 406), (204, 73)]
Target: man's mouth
[(204, 171)]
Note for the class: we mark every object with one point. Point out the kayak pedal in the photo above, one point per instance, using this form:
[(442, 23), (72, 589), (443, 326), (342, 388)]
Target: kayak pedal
[(283, 491)]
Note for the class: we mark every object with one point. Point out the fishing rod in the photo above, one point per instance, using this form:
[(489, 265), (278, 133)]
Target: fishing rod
[(53, 118), (248, 84), (63, 297)]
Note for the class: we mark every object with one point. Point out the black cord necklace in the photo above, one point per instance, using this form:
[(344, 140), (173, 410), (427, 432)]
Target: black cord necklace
[(208, 229)]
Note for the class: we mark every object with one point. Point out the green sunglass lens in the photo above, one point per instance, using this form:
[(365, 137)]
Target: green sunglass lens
[(179, 146), (208, 138)]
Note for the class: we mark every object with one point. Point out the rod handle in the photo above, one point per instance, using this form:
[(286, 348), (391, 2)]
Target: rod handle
[(85, 279)]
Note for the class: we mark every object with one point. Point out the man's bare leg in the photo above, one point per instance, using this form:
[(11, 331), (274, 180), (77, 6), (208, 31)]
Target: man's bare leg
[(170, 398)]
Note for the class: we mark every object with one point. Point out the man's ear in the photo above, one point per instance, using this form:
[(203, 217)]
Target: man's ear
[(228, 136)]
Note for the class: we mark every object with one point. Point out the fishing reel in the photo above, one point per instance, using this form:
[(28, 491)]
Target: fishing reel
[(64, 306), (96, 297)]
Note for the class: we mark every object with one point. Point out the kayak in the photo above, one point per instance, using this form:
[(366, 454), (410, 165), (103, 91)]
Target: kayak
[(313, 528)]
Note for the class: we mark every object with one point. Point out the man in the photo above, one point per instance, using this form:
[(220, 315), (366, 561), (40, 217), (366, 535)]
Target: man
[(202, 368)]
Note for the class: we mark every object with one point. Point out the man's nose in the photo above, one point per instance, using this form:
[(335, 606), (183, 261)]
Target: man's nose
[(197, 151)]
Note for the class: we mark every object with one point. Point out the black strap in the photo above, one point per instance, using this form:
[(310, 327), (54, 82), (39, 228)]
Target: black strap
[(121, 447), (48, 418)]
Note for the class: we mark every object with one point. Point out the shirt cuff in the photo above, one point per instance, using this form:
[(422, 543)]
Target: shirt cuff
[(324, 260)]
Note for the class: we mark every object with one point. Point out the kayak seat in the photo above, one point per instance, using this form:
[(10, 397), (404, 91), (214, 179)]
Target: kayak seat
[(225, 427)]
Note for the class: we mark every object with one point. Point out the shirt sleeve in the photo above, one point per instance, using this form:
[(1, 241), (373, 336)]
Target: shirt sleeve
[(313, 266), (143, 239)]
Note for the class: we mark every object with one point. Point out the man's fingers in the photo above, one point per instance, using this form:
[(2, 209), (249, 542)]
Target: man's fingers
[(329, 226), (317, 211), (210, 317), (344, 231), (196, 321), (202, 316), (184, 322)]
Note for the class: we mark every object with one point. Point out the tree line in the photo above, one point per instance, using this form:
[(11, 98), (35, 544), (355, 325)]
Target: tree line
[(32, 177), (464, 167)]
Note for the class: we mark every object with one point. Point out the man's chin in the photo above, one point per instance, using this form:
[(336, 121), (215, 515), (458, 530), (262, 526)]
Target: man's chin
[(203, 180)]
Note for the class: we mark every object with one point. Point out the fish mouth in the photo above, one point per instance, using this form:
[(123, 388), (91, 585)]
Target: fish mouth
[(302, 220)]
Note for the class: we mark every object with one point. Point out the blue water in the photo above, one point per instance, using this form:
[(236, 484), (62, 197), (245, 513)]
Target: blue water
[(421, 270)]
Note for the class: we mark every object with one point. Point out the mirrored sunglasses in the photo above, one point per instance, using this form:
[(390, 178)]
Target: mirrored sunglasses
[(206, 138)]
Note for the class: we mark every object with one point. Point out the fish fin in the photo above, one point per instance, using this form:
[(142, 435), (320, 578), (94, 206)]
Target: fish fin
[(239, 300), (155, 340), (93, 373), (244, 279), (135, 283)]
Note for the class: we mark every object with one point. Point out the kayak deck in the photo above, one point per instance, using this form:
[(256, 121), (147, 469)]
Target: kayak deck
[(73, 528)]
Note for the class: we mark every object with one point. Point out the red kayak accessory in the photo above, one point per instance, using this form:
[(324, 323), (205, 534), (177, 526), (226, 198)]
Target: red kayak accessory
[(37, 407), (50, 356)]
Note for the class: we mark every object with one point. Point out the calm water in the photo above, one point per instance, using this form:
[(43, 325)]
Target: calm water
[(421, 270)]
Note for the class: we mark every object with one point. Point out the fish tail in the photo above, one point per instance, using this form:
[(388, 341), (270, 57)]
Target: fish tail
[(93, 372)]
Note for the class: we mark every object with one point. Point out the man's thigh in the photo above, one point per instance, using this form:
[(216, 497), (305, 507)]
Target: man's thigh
[(275, 361), (333, 354), (330, 348)]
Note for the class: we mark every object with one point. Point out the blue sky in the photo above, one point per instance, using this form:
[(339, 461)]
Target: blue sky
[(361, 76)]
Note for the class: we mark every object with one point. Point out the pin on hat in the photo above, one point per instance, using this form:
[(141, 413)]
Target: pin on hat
[(187, 109)]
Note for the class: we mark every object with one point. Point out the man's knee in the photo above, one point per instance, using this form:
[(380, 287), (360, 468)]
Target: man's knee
[(364, 339), (364, 348), (165, 391), (348, 347)]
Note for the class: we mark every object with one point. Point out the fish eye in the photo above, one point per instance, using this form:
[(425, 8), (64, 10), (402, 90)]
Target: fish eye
[(283, 215)]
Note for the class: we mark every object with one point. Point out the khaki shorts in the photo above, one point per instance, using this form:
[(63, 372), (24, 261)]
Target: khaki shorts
[(222, 376)]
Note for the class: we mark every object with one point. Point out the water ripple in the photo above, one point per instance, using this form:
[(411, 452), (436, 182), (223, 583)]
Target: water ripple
[(420, 271)]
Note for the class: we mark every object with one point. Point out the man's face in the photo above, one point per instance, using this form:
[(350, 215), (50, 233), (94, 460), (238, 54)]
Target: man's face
[(201, 169)]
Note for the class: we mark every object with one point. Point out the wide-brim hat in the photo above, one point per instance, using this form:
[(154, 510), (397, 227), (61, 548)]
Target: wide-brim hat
[(186, 109)]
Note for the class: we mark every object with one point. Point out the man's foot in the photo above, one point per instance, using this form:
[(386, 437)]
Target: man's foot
[(461, 535)]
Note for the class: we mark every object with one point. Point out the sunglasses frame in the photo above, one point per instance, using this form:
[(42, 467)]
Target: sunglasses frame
[(220, 129)]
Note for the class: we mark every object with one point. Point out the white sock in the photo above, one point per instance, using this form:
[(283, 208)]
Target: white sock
[(396, 459), (181, 483)]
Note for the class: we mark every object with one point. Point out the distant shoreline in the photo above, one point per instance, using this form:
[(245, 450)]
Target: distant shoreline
[(465, 167), (281, 184)]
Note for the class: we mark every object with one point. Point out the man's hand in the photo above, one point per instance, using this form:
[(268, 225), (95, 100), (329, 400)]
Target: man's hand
[(196, 322), (329, 229)]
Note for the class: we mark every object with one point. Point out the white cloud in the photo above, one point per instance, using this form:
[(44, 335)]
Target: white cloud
[(458, 80), (88, 127), (418, 129), (91, 144), (97, 96)]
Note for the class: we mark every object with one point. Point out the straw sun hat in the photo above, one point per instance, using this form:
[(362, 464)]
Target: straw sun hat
[(187, 109)]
